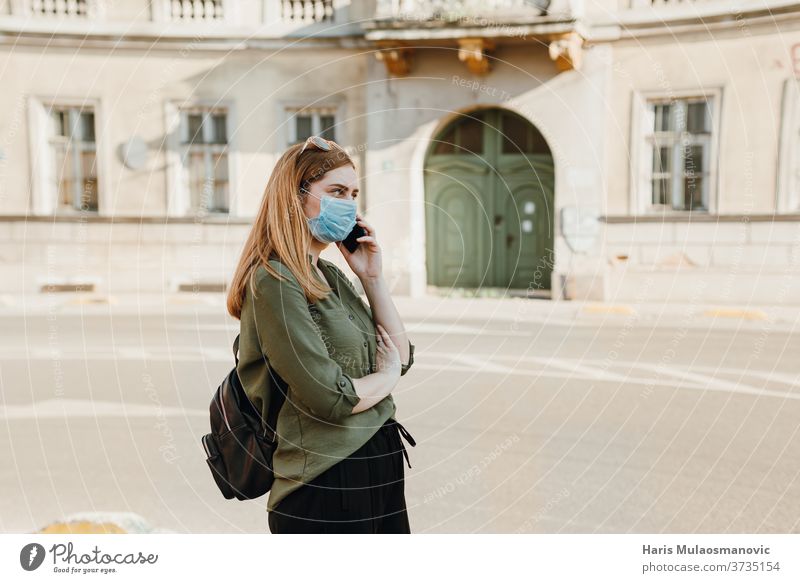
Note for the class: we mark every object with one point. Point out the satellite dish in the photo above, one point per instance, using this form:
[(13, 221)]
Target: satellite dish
[(133, 153)]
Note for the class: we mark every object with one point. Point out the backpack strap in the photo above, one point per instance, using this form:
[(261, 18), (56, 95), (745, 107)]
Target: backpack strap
[(276, 400)]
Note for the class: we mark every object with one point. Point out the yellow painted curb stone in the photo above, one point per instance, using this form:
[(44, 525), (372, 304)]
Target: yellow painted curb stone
[(82, 527), (736, 313)]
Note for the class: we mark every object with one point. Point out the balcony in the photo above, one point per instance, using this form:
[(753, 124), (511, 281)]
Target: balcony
[(459, 10), (475, 27), (443, 19)]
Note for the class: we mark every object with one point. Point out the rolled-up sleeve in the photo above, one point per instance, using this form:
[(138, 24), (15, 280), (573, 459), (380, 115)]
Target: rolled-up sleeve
[(295, 349)]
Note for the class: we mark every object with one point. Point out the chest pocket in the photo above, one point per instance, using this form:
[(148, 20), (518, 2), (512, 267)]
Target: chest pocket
[(348, 340)]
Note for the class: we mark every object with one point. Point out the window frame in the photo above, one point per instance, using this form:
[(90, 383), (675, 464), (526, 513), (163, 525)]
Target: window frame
[(290, 109), (643, 138), (788, 190), (179, 196), (44, 192)]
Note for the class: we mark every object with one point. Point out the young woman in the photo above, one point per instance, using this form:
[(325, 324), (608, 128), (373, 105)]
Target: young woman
[(308, 339)]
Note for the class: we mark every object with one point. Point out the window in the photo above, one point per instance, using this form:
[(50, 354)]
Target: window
[(204, 158), (678, 144), (73, 156), (305, 122), (464, 136), (789, 162)]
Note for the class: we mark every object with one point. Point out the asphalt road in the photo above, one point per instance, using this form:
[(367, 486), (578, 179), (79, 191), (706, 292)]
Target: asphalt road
[(550, 426)]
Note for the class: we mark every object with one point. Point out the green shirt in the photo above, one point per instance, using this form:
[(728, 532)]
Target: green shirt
[(317, 349)]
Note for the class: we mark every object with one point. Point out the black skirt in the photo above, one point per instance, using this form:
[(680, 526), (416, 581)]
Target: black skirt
[(363, 493)]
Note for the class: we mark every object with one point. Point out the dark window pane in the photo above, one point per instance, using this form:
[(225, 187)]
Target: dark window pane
[(87, 126), (538, 143), (89, 187), (698, 121), (661, 188), (195, 129), (517, 135), (662, 117), (470, 137), (693, 177), (64, 172), (661, 159), (444, 144), (303, 125), (197, 178), (693, 160), (693, 193), (326, 123), (59, 119), (219, 131), (220, 199)]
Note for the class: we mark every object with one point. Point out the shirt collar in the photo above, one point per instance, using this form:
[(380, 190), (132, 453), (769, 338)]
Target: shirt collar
[(319, 261)]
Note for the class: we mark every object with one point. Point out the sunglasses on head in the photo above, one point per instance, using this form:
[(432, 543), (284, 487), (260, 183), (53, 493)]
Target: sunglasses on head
[(319, 143)]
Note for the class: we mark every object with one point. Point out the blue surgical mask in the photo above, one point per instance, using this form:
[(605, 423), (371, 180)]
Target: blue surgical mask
[(336, 219)]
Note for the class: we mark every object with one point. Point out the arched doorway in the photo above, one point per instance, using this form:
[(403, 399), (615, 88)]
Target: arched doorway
[(489, 188)]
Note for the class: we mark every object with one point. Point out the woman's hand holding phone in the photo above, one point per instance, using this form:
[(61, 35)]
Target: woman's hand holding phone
[(365, 261)]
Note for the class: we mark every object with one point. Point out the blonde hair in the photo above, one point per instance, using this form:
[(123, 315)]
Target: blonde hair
[(280, 227)]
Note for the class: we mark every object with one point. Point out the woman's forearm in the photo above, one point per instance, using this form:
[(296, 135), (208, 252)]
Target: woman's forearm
[(374, 388), (385, 313)]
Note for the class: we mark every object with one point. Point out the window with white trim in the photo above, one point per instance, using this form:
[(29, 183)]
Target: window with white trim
[(789, 162), (315, 121), (73, 157), (204, 158), (678, 150)]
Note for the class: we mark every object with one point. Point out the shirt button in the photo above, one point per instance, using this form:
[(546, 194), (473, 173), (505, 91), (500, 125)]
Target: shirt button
[(365, 343), (342, 383), (350, 316)]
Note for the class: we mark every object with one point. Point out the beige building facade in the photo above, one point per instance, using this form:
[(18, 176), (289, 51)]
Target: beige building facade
[(612, 150)]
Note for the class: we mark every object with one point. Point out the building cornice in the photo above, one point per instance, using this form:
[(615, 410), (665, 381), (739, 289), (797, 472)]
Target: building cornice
[(172, 36), (701, 218), (224, 220)]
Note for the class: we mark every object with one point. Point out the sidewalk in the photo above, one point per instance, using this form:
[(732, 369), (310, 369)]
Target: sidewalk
[(432, 308)]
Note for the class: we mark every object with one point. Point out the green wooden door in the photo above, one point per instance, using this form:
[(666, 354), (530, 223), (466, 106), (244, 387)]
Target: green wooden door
[(489, 186)]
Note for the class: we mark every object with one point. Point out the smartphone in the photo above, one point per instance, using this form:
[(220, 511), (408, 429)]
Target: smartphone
[(350, 241)]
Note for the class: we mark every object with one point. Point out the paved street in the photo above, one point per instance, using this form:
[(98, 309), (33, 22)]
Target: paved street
[(550, 423)]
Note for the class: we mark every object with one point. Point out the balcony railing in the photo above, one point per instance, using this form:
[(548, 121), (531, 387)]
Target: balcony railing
[(307, 11), (196, 10), (58, 8), (455, 10)]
